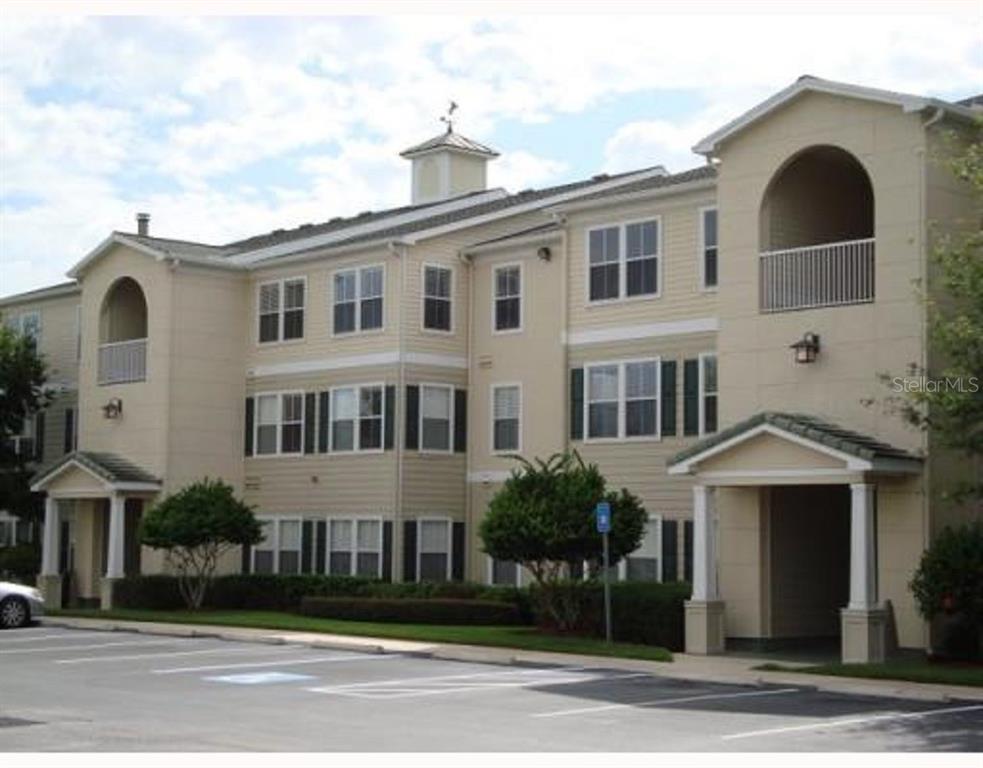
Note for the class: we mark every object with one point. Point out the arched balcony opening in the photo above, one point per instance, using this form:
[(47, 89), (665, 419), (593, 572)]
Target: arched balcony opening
[(123, 333), (816, 230)]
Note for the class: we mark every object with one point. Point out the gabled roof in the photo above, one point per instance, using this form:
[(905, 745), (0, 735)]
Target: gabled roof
[(113, 470), (821, 434), (540, 232), (159, 248), (52, 291), (449, 140), (704, 175), (806, 84)]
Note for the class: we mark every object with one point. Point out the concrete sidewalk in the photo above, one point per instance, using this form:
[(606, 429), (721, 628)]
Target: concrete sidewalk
[(719, 669)]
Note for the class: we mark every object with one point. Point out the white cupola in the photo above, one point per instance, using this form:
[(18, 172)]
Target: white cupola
[(448, 165)]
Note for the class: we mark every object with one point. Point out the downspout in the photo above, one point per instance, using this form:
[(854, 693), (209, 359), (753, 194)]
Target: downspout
[(561, 220), (468, 505), (398, 250)]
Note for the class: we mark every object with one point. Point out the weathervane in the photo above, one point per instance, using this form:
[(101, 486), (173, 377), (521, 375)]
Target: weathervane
[(448, 118)]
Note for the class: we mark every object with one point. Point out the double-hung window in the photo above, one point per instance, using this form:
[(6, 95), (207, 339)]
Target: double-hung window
[(623, 261), (708, 393), (355, 548), (436, 403), (281, 310), (506, 418), (508, 298), (358, 299), (26, 324), (622, 400), (357, 418), (708, 247), (279, 423), (433, 550), (644, 563), (279, 549), (505, 573), (437, 285)]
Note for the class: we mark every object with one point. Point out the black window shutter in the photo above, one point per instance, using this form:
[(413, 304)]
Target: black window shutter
[(247, 552), (460, 420), (39, 436), (323, 421), (670, 562), (390, 417), (250, 411), (412, 418), (669, 397), (691, 397), (577, 404), (69, 441), (306, 542), (688, 551), (409, 550), (387, 550), (320, 546), (310, 406), (457, 551)]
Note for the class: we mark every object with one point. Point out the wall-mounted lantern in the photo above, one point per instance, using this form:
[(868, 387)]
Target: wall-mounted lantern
[(806, 348), (113, 409)]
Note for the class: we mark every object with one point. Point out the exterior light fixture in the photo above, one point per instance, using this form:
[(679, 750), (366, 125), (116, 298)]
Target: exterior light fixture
[(806, 348), (545, 253), (113, 409)]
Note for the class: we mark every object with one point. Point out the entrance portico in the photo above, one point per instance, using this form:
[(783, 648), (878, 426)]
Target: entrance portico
[(89, 483), (785, 533)]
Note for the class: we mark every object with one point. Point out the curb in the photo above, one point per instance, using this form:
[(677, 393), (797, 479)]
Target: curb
[(504, 656)]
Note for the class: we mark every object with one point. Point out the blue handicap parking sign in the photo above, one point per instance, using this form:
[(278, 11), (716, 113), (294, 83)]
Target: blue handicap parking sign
[(602, 514)]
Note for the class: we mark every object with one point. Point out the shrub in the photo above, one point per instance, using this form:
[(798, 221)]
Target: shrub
[(435, 610), (21, 562), (641, 612)]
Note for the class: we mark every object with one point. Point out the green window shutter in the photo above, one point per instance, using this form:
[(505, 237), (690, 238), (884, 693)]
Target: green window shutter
[(577, 404), (306, 546), (668, 397), (323, 421), (412, 418), (688, 551), (248, 442), (390, 417), (320, 546), (691, 397), (409, 550), (247, 553), (670, 565), (69, 434), (310, 407), (460, 420), (387, 550), (457, 551), (39, 436)]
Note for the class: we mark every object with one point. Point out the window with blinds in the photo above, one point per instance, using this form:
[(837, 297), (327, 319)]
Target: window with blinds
[(506, 418)]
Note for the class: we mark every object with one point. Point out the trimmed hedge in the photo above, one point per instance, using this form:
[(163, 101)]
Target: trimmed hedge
[(411, 610), (641, 612), (21, 562)]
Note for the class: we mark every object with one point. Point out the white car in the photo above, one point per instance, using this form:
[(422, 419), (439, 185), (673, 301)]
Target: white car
[(19, 605)]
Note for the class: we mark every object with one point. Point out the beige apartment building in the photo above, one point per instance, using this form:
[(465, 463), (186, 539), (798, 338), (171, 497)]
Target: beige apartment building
[(712, 339)]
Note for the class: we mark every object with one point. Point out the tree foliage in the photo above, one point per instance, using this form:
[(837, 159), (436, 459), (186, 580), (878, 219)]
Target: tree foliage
[(195, 527), (543, 518), (949, 578), (23, 377)]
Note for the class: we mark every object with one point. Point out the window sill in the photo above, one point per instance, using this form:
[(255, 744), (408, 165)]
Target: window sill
[(625, 300)]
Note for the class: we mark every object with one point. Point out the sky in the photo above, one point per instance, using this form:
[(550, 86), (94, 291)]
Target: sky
[(224, 127)]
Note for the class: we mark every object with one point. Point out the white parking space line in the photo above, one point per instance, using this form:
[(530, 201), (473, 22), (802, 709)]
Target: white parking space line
[(422, 680), (34, 638), (661, 702), (278, 662), (131, 657), (852, 721), (51, 649)]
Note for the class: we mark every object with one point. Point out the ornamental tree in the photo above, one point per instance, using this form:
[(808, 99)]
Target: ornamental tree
[(543, 519), (195, 527)]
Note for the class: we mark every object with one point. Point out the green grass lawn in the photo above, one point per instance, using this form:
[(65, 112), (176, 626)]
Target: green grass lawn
[(919, 670), (521, 638)]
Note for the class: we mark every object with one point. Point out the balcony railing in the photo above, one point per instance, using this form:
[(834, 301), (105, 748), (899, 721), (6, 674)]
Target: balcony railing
[(123, 361), (817, 276)]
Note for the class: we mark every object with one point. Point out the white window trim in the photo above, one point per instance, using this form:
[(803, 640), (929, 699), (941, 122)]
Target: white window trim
[(17, 322), (450, 437), (358, 300), (623, 296), (494, 297), (423, 297), (276, 520), (78, 332), (622, 401), (28, 433), (450, 543), (279, 424), (353, 565), (281, 311), (491, 420), (490, 573), (701, 390), (701, 255), (623, 563), (357, 441)]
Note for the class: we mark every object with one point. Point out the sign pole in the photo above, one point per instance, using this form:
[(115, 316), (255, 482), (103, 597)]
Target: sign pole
[(607, 592)]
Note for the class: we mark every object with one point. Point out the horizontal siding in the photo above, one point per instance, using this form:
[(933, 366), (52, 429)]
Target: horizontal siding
[(59, 342), (434, 484)]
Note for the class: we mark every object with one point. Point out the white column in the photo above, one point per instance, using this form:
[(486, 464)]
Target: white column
[(114, 559), (863, 566), (704, 545), (49, 548)]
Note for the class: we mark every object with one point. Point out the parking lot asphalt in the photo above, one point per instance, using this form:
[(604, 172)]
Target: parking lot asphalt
[(75, 690)]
